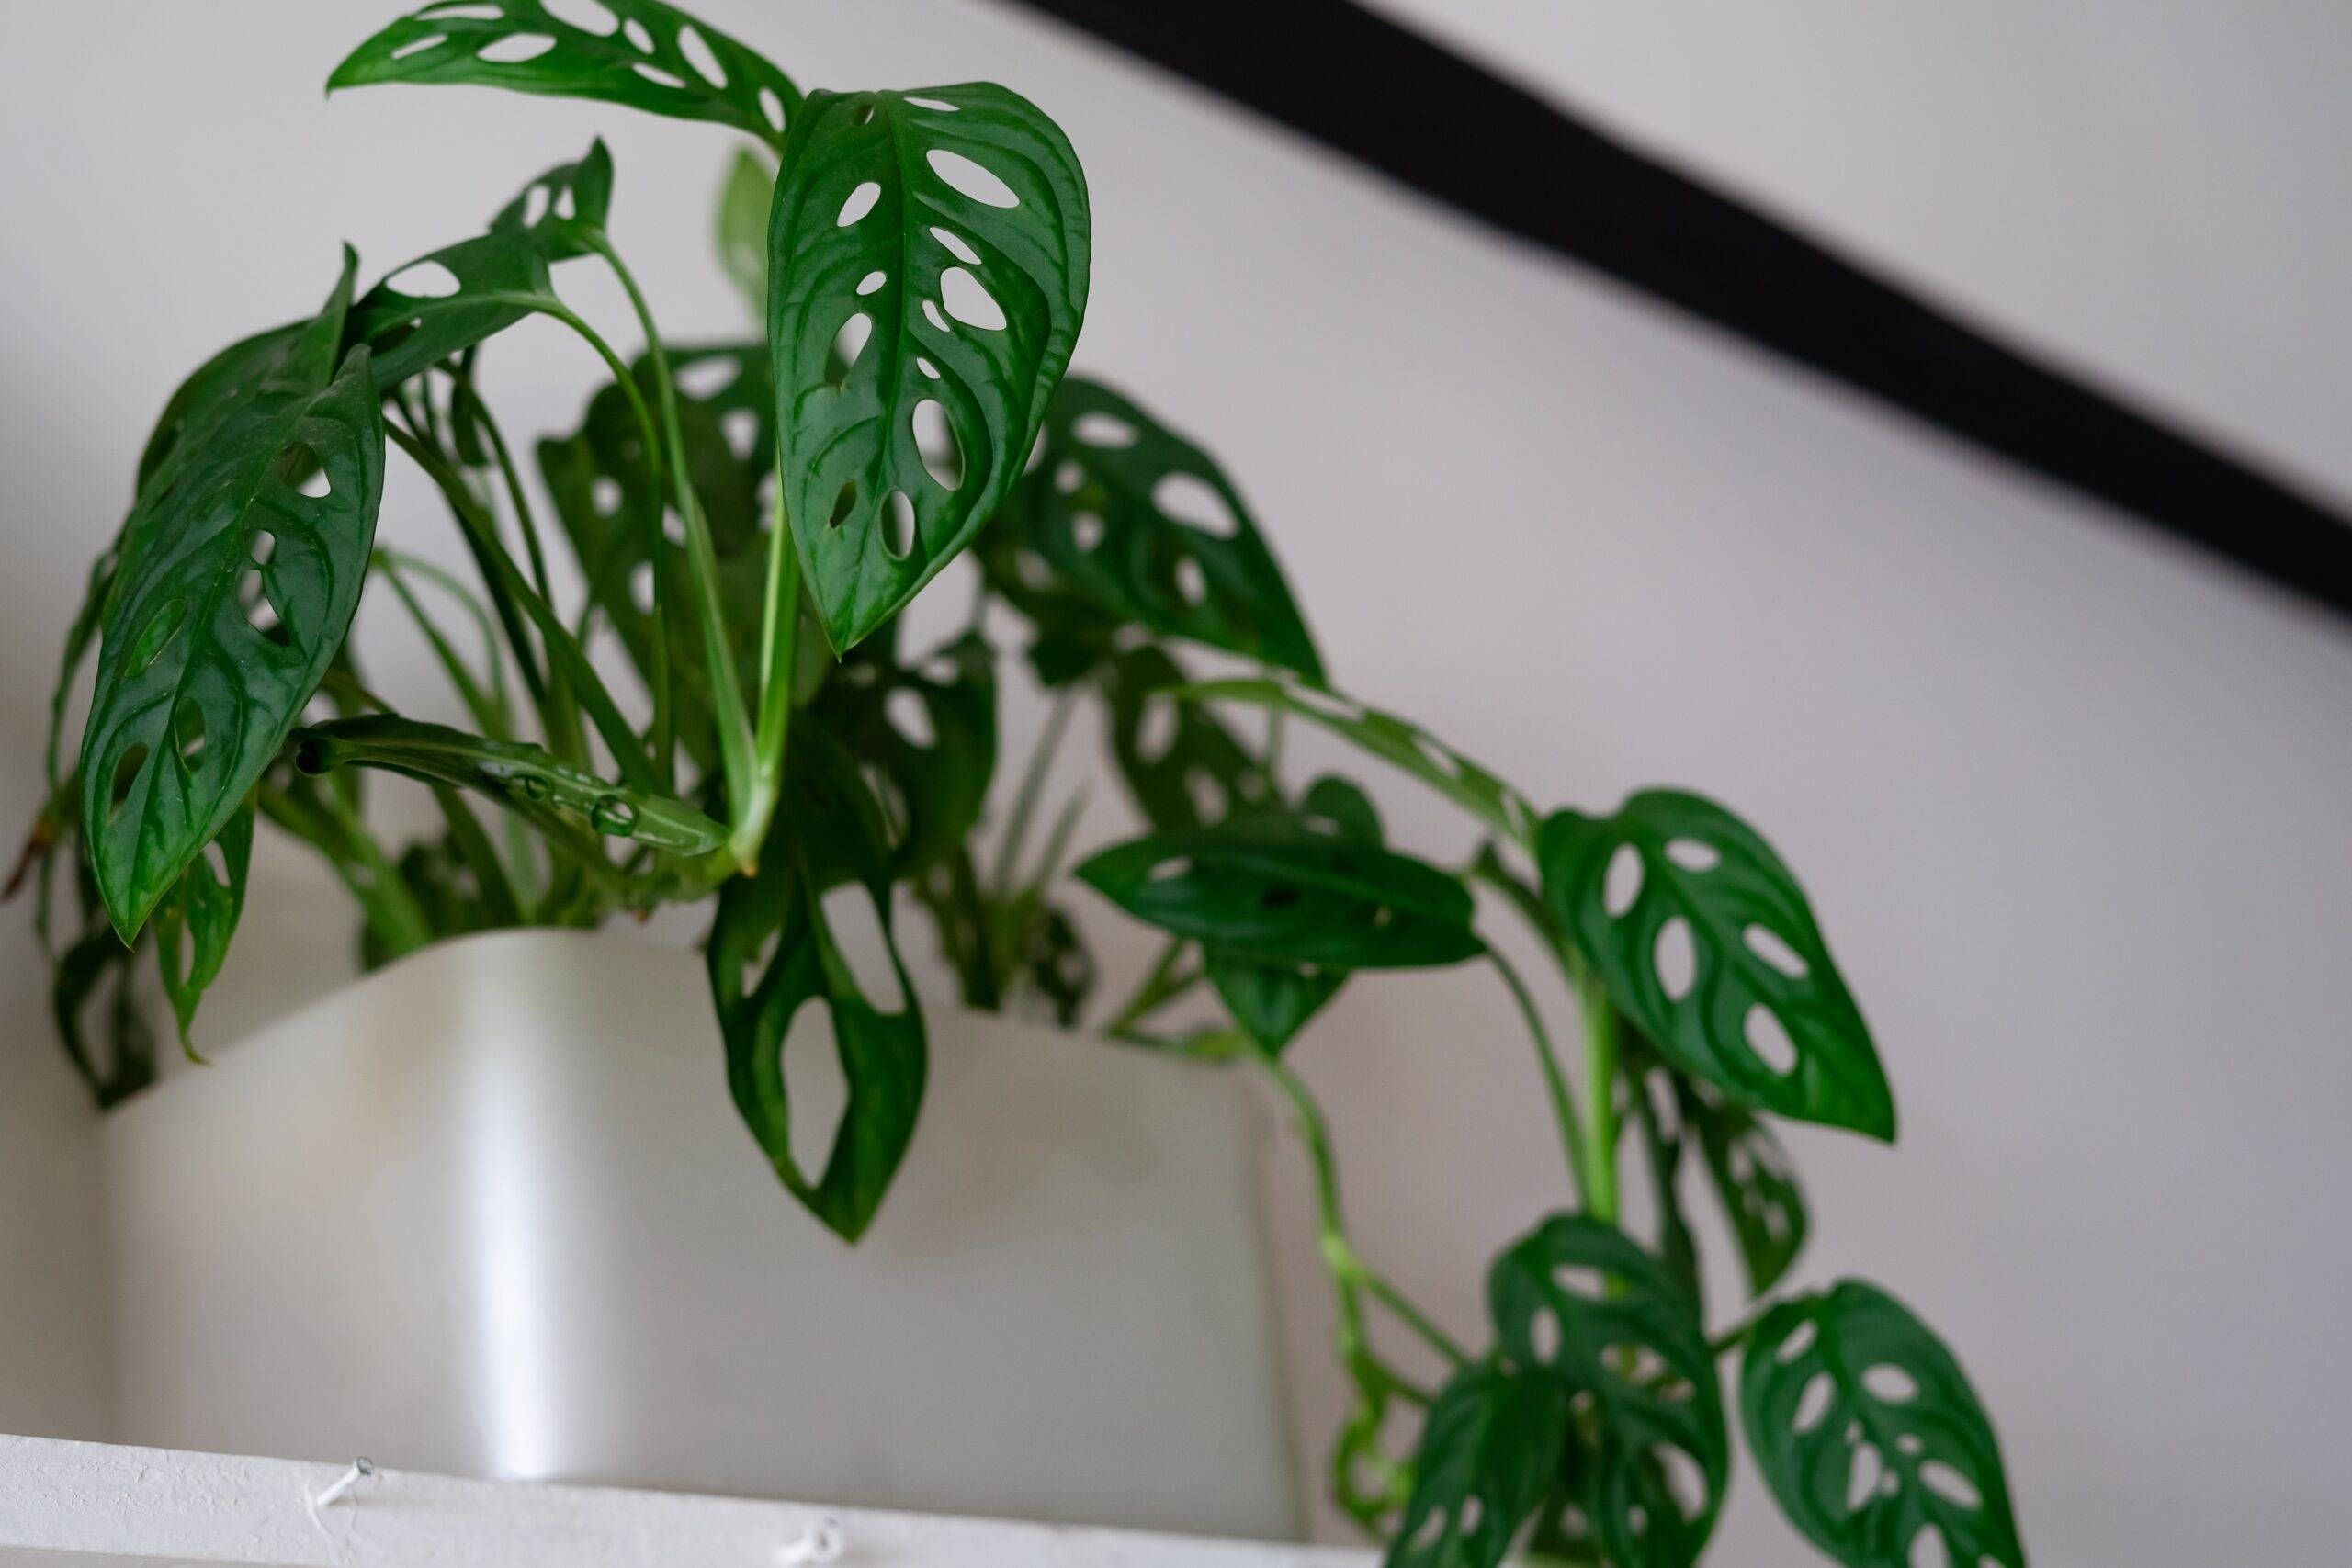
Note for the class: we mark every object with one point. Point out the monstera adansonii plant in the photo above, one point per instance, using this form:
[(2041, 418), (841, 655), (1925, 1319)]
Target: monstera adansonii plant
[(744, 521)]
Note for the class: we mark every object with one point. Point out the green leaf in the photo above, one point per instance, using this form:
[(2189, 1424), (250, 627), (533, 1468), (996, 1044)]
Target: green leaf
[(1867, 1432), (1756, 1180), (1271, 1002), (1576, 1298), (1186, 770), (94, 959), (1649, 1084), (227, 377), (655, 57), (513, 772), (196, 919), (1487, 1454), (929, 732), (1148, 526), (1290, 898), (1712, 952), (448, 300), (743, 203), (969, 306), (238, 582), (772, 951), (1397, 741)]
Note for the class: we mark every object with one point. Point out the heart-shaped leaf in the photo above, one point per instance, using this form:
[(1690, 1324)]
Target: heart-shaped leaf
[(1186, 770), (1756, 1180), (243, 563), (772, 950), (1487, 1455), (513, 772), (1705, 941), (196, 919), (1291, 898), (1398, 741), (1147, 524), (652, 57), (940, 238), (1576, 1298), (1867, 1432)]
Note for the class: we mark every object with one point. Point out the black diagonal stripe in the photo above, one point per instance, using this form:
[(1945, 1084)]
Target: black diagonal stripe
[(1454, 132)]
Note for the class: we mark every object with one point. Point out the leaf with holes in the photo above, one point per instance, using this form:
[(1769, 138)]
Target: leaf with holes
[(942, 237), (1291, 898), (1868, 1434), (448, 300), (236, 587), (773, 949), (641, 53), (1756, 1180), (1399, 742), (1147, 524), (1271, 1002), (1649, 1085), (1186, 770), (1578, 1299), (743, 203), (1487, 1454), (1705, 941), (930, 732), (513, 772), (196, 919)]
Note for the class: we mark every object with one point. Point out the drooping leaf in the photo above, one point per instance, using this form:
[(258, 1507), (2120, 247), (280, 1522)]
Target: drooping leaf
[(1487, 1454), (930, 732), (1290, 898), (743, 203), (772, 950), (1868, 1433), (1271, 1002), (94, 977), (1147, 524), (1576, 1298), (654, 56), (1397, 741), (198, 917), (952, 222), (513, 772), (1756, 1180), (1715, 956), (1186, 770), (446, 301), (278, 482)]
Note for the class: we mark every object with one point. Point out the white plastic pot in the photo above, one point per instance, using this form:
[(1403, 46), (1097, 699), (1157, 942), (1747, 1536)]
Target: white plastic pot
[(489, 1212)]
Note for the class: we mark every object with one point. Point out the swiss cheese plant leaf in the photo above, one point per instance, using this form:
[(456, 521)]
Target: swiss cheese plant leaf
[(1399, 742), (1756, 1180), (1186, 770), (1145, 524), (513, 772), (94, 999), (774, 951), (645, 54), (1488, 1452), (448, 300), (1576, 1298), (1290, 898), (1868, 1434), (217, 378), (743, 203), (929, 733), (1705, 941), (241, 565), (940, 238), (196, 919)]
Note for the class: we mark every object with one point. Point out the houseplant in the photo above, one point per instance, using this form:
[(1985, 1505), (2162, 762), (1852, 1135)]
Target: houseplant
[(921, 259)]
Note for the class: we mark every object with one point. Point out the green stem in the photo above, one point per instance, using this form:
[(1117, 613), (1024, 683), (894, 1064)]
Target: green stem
[(779, 664), (1564, 1103), (737, 751), (1033, 783), (1600, 1098), (1159, 988)]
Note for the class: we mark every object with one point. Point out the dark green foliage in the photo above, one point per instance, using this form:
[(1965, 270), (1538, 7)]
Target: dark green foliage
[(1868, 1432)]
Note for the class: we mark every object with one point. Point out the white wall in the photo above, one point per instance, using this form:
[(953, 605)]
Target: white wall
[(2070, 801)]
